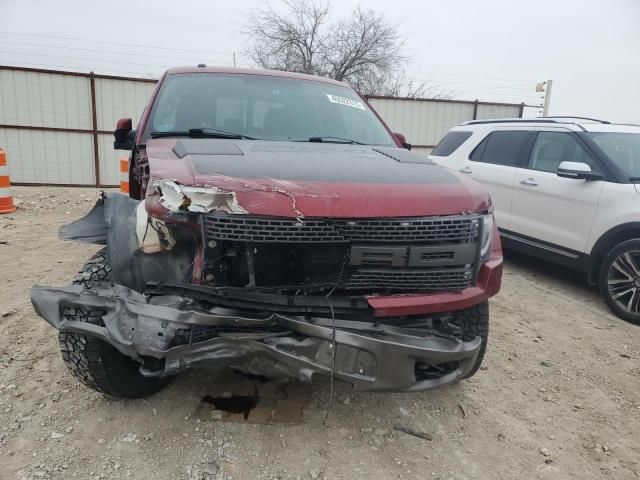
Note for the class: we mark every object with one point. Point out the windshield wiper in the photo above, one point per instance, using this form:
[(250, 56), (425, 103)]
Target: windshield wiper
[(331, 139), (634, 179), (202, 133)]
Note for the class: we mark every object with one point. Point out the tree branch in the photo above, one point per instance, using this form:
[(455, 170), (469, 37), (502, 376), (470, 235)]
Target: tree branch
[(364, 50)]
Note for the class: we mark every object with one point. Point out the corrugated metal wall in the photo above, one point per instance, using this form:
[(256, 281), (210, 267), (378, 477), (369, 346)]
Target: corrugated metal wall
[(489, 110), (49, 101), (36, 156), (424, 122), (47, 128), (44, 100), (117, 99)]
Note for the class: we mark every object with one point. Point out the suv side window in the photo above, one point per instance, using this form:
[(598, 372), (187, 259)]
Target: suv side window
[(502, 148), (552, 148), (450, 143)]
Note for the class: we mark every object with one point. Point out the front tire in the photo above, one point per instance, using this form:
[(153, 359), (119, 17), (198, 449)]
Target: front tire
[(620, 280), (94, 362), (474, 322)]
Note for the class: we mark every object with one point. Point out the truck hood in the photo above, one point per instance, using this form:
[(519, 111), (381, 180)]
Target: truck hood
[(291, 179)]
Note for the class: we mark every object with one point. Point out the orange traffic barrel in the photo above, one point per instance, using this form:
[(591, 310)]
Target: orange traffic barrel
[(6, 200), (124, 175)]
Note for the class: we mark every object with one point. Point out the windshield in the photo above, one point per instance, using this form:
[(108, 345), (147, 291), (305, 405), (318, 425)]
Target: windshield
[(265, 108), (622, 148)]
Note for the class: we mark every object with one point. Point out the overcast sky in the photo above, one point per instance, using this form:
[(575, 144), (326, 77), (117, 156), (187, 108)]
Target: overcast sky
[(491, 50)]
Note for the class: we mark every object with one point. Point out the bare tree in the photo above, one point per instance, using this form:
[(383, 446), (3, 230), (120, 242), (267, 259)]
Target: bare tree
[(364, 50), (291, 42), (399, 84)]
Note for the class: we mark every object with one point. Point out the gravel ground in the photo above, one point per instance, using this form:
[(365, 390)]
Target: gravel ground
[(558, 397)]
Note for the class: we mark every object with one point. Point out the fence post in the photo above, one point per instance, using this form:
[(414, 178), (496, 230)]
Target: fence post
[(475, 109), (94, 128), (521, 110)]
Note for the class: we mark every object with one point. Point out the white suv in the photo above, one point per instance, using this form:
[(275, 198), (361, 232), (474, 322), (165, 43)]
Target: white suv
[(565, 189)]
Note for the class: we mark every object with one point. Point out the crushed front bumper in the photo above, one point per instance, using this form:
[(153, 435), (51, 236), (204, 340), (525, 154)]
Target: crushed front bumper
[(158, 331)]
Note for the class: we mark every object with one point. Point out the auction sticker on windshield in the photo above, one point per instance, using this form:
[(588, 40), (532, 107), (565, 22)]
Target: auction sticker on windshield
[(345, 101)]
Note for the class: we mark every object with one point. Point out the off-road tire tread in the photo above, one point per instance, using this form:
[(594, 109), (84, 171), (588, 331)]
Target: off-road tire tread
[(475, 322), (95, 363)]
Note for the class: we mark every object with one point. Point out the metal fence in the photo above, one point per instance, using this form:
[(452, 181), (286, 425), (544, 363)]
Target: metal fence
[(57, 126), (425, 121)]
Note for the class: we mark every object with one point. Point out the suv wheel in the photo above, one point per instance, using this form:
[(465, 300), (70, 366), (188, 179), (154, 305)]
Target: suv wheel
[(95, 363), (620, 280)]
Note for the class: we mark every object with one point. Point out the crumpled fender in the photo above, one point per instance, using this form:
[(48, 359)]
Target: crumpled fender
[(113, 222), (92, 228)]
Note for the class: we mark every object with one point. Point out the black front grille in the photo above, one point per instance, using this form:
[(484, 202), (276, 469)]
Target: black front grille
[(414, 279), (455, 229), (313, 254), (259, 230), (431, 230)]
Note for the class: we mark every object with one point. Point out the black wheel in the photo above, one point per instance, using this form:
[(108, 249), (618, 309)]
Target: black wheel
[(620, 280), (95, 363), (474, 322)]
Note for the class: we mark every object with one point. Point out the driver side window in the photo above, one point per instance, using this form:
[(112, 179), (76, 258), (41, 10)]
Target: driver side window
[(552, 148)]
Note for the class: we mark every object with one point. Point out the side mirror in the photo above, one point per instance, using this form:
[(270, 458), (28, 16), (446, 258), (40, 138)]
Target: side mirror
[(124, 135), (577, 171), (403, 141)]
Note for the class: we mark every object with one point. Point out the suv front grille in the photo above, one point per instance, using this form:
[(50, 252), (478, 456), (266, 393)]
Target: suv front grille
[(450, 229)]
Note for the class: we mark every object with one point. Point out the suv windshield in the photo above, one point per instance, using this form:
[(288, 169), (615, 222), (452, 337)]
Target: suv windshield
[(265, 107), (622, 148)]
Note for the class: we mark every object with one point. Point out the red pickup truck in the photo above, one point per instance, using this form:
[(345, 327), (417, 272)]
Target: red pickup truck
[(275, 225)]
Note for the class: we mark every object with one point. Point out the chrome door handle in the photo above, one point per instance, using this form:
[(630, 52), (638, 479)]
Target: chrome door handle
[(529, 181), (466, 170)]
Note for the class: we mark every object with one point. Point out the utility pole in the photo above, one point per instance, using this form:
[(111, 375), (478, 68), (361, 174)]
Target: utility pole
[(546, 88), (234, 59)]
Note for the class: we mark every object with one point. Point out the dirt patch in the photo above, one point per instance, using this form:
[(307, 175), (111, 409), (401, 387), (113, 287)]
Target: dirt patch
[(558, 396)]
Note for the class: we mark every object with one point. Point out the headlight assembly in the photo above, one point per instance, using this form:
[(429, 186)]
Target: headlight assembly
[(487, 236)]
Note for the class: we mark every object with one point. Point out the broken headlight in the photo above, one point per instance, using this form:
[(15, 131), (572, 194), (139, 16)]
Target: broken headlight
[(184, 198)]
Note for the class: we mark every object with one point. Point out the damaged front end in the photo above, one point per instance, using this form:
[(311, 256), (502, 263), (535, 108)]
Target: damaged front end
[(198, 281), (170, 333)]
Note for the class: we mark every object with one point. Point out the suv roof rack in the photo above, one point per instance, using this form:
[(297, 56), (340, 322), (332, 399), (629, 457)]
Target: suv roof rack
[(513, 120), (554, 119), (569, 117)]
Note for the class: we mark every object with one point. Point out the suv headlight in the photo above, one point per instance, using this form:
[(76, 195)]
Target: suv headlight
[(487, 236)]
